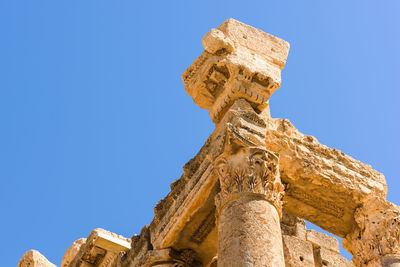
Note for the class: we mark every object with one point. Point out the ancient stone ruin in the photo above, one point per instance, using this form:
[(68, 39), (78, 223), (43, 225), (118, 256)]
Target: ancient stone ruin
[(242, 200)]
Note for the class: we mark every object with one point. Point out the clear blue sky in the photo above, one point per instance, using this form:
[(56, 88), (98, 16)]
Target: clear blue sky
[(95, 122)]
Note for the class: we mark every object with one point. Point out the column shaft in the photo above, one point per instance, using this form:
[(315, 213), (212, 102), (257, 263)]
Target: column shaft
[(249, 234), (248, 208)]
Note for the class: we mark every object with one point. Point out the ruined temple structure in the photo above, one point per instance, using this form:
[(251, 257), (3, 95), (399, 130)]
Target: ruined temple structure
[(242, 200)]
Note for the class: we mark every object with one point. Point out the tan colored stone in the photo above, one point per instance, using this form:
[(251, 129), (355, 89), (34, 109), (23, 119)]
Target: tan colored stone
[(215, 41), (228, 200), (298, 252), (101, 249), (330, 258), (71, 252), (239, 61), (248, 207), (293, 226), (376, 239), (322, 240), (325, 186), (33, 258), (249, 234), (250, 170)]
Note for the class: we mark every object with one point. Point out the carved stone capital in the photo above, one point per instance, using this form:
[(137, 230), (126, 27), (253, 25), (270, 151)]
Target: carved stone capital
[(238, 61), (251, 171), (376, 239)]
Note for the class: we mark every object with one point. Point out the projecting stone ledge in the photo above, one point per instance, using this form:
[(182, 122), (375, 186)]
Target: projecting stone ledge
[(325, 186), (239, 61), (101, 248)]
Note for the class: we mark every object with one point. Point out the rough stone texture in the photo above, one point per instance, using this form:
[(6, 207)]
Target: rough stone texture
[(246, 171), (377, 235), (71, 252), (233, 78), (186, 217), (293, 226), (102, 248), (239, 61), (298, 252), (304, 247), (33, 258), (325, 186), (327, 257), (322, 240), (249, 234), (248, 207)]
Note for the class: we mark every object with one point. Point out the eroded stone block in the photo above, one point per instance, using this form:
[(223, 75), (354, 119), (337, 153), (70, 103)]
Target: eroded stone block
[(376, 239), (322, 240), (100, 249), (333, 259), (293, 226), (72, 251), (324, 185), (298, 252), (239, 61), (33, 258)]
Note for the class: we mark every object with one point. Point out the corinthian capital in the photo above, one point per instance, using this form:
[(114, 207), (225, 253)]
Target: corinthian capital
[(376, 240), (251, 171)]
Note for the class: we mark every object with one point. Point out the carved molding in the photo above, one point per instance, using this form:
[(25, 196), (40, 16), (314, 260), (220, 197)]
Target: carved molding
[(328, 207), (234, 65), (204, 228), (377, 235), (253, 170)]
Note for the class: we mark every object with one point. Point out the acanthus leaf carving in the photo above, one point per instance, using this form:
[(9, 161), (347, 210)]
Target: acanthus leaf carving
[(251, 170)]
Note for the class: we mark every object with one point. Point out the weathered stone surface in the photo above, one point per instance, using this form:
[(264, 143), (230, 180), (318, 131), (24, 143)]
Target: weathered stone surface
[(248, 207), (250, 170), (376, 238), (298, 252), (325, 186), (72, 251), (33, 258), (293, 226), (249, 234), (100, 249), (228, 200), (239, 61), (330, 258), (322, 240)]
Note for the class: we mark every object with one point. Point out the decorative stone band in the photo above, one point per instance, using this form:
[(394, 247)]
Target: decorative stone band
[(169, 257), (101, 249), (249, 171), (376, 240), (238, 61)]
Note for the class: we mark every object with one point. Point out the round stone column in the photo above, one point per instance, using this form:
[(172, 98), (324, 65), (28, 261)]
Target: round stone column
[(248, 209)]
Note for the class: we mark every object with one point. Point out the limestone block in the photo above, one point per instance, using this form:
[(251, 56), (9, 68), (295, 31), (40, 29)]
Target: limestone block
[(322, 240), (293, 226), (186, 217), (33, 258), (376, 238), (297, 252), (71, 252), (215, 40), (239, 61), (324, 185), (100, 249), (333, 259)]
